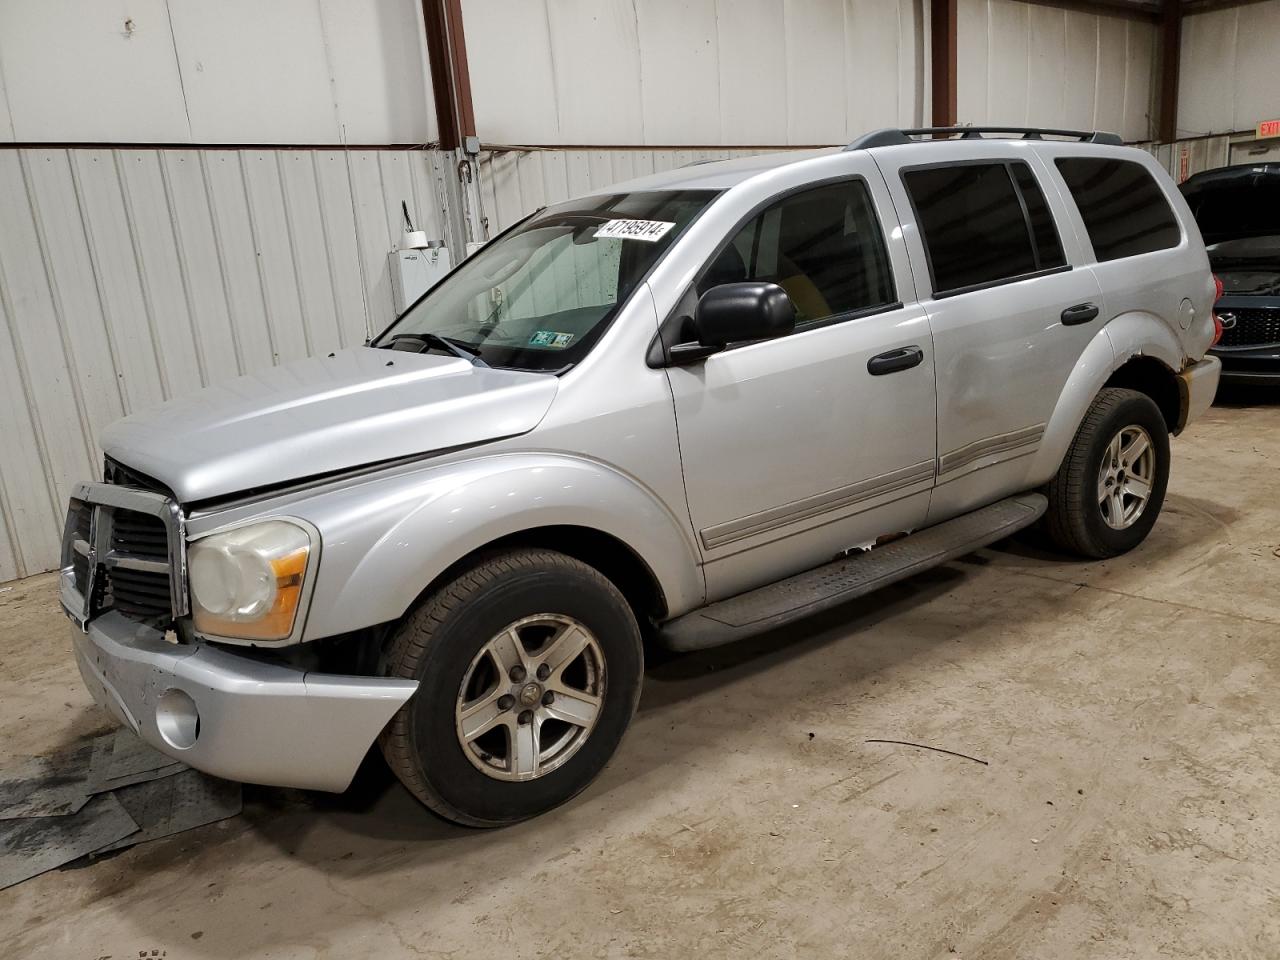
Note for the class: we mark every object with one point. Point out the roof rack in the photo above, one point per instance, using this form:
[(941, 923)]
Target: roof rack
[(890, 137)]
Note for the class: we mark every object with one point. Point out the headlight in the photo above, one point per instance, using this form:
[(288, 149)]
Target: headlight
[(247, 583)]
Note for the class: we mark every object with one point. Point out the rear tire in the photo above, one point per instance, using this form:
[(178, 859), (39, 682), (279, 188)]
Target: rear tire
[(1109, 490), (496, 732)]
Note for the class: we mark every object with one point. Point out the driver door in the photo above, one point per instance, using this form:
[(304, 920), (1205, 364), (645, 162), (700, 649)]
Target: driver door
[(798, 448)]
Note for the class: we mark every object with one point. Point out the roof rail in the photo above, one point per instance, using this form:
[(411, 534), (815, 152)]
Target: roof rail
[(890, 136)]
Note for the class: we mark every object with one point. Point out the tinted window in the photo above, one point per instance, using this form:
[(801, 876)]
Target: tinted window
[(975, 231), (1123, 209), (1043, 231), (823, 246)]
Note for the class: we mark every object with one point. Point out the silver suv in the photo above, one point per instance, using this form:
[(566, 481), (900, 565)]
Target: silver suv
[(677, 411)]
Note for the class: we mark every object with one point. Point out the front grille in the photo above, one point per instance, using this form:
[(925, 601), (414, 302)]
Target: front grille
[(1254, 327), (140, 594), (139, 535), (117, 555), (80, 525)]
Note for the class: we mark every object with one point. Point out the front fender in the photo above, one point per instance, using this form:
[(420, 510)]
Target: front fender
[(384, 541), (1127, 336)]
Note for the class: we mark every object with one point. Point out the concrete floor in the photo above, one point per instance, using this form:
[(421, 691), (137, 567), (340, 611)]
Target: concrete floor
[(1130, 805)]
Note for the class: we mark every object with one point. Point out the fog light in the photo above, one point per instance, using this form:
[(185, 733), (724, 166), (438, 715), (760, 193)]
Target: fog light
[(177, 719)]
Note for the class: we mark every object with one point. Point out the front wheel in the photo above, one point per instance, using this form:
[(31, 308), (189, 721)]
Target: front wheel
[(1109, 490), (529, 668)]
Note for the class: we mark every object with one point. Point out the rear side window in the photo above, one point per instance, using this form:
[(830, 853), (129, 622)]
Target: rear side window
[(1123, 209), (982, 223), (823, 246)]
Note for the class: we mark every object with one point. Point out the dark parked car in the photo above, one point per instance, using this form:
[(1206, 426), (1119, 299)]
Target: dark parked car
[(1238, 210)]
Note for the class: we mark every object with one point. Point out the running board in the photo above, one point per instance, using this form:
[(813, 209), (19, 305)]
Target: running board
[(849, 577)]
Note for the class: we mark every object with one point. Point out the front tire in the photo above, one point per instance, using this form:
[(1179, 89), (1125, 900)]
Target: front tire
[(1108, 492), (529, 667)]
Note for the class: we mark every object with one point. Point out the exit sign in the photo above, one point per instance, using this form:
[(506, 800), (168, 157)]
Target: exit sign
[(1268, 128)]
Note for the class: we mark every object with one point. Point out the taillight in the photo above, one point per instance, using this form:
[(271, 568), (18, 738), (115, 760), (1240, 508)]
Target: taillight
[(1217, 324)]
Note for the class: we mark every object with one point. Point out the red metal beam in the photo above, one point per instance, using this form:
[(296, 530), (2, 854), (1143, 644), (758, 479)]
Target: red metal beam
[(1170, 55), (942, 41), (450, 78)]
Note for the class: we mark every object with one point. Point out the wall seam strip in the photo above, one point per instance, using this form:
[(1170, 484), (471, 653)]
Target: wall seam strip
[(95, 268), (291, 233), (257, 256), (184, 275), (148, 308), (223, 276), (59, 312)]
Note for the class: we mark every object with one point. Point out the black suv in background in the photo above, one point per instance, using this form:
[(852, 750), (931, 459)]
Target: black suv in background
[(1238, 210)]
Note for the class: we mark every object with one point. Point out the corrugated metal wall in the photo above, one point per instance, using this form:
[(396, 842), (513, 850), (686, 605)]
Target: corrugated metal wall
[(131, 276), (1027, 65), (1227, 77)]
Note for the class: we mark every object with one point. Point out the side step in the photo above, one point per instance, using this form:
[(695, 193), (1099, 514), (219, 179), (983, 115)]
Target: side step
[(850, 577)]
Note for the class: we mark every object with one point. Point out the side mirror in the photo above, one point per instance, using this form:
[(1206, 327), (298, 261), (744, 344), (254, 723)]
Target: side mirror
[(735, 312)]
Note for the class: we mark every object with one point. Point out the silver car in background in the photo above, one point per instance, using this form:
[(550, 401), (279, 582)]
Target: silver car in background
[(679, 411)]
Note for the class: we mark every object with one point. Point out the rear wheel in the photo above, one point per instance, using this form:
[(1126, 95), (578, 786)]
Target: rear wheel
[(529, 668), (1111, 485)]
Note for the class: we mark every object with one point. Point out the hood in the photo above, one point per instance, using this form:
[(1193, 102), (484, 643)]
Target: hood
[(323, 415)]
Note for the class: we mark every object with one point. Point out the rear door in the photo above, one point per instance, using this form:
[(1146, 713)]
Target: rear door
[(1011, 312)]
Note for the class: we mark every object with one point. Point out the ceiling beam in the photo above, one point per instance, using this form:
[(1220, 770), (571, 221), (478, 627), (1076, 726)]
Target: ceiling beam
[(943, 32), (1170, 58), (1192, 7), (1148, 12)]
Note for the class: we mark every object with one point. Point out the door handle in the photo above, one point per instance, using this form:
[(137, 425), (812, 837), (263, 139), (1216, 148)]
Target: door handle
[(895, 360), (1080, 313)]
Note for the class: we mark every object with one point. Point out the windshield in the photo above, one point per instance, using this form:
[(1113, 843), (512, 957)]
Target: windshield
[(538, 297)]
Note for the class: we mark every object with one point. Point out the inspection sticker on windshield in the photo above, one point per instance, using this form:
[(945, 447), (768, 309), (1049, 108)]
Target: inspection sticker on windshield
[(649, 231), (549, 338)]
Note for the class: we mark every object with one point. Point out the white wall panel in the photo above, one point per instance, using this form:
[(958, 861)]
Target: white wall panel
[(753, 74), (236, 71), (73, 71), (504, 41), (131, 276), (680, 71), (1227, 76), (698, 72), (597, 71), (1028, 65)]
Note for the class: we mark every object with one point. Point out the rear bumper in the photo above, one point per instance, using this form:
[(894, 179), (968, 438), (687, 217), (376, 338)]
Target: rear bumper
[(234, 716), (1197, 384)]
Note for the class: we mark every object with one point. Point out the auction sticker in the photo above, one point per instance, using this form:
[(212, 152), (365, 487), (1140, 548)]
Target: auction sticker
[(649, 231), (550, 338)]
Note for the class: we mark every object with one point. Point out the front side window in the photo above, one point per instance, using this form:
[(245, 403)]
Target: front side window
[(538, 297), (1123, 209), (982, 223), (823, 246)]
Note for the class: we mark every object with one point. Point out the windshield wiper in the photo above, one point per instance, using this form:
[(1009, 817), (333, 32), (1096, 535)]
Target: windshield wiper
[(459, 349)]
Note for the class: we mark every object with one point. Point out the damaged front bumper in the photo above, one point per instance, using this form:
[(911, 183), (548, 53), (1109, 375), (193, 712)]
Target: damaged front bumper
[(231, 715)]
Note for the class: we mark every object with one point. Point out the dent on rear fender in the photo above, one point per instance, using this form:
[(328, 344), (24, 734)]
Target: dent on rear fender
[(377, 563), (1127, 336)]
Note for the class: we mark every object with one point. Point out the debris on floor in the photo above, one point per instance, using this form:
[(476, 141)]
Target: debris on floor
[(32, 846), (46, 786), (107, 794)]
